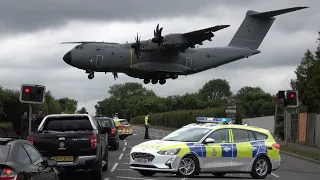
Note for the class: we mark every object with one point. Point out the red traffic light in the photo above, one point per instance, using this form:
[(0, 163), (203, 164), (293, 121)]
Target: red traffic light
[(26, 90), (291, 95)]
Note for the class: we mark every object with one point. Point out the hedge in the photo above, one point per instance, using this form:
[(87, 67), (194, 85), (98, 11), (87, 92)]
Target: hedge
[(177, 119)]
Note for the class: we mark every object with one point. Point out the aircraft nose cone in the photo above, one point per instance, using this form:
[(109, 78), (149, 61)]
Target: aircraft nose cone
[(67, 58)]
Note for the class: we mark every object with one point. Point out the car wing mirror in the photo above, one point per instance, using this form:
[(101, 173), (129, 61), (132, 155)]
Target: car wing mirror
[(209, 141)]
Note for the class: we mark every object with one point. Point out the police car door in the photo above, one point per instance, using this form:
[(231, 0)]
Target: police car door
[(219, 153), (244, 150)]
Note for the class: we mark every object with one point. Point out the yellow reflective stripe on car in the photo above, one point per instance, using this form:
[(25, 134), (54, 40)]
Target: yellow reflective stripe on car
[(184, 150), (244, 150), (230, 136)]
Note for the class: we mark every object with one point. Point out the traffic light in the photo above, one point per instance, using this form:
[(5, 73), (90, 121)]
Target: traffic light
[(31, 93), (280, 97), (292, 99)]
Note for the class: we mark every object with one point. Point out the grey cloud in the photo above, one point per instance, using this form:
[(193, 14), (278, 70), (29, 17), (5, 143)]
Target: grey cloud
[(31, 15)]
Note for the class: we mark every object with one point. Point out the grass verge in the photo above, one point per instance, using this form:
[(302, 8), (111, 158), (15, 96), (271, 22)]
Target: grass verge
[(306, 154)]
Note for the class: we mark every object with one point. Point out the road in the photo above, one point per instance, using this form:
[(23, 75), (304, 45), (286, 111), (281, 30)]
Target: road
[(291, 168)]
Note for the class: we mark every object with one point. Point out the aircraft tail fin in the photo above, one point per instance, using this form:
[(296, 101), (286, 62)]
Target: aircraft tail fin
[(255, 27)]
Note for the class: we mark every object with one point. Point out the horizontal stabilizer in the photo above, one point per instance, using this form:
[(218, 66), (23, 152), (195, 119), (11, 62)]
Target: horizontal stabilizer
[(84, 42), (270, 14)]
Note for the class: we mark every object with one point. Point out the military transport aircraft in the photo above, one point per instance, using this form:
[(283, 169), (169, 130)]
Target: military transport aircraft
[(165, 57)]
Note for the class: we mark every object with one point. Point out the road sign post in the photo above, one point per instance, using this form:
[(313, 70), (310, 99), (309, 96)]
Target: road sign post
[(231, 112), (32, 94)]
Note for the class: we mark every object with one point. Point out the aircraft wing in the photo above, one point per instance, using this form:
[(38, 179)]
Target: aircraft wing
[(197, 37), (84, 42)]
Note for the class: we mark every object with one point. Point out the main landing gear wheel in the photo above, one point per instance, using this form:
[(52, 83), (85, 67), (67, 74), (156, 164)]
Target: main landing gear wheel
[(174, 76), (162, 81), (154, 81), (91, 75), (146, 81)]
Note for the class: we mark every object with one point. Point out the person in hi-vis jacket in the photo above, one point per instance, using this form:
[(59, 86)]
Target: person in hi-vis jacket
[(146, 125)]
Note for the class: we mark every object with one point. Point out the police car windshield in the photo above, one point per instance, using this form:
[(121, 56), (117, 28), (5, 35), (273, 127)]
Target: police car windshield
[(187, 134)]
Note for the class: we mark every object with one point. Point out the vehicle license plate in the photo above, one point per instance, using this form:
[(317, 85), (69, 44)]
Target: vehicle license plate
[(63, 158), (141, 161)]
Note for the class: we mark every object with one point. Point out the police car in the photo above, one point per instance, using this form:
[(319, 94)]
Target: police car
[(209, 148)]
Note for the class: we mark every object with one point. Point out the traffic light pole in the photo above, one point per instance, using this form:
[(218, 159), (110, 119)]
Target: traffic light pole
[(30, 119), (285, 113)]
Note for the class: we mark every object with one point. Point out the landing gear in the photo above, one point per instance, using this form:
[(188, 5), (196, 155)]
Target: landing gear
[(91, 74), (174, 76), (154, 81), (146, 81), (162, 81)]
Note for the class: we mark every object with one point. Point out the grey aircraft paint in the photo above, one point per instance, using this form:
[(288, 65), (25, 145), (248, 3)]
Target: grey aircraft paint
[(167, 57)]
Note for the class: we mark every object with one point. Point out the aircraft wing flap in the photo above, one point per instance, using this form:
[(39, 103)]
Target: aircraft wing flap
[(206, 30)]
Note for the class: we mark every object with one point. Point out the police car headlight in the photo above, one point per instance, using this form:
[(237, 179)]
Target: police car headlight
[(170, 151)]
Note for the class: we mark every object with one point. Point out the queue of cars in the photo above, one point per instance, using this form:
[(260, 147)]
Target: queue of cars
[(63, 142)]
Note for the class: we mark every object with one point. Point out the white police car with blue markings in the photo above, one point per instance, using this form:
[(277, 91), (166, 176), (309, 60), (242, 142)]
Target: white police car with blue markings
[(209, 148)]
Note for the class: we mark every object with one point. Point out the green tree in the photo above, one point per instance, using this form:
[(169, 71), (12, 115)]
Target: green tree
[(68, 105), (307, 81), (215, 89), (83, 110), (254, 102)]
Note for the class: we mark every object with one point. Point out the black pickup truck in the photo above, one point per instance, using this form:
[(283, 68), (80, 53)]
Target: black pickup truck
[(75, 141)]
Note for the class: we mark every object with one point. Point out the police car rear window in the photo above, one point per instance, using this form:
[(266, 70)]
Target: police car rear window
[(81, 123), (124, 122)]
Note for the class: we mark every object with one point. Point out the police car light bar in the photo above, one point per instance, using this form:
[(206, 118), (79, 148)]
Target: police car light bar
[(213, 120)]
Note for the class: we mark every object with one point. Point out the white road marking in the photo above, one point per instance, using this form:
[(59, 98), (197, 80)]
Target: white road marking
[(106, 178), (274, 175), (125, 143), (124, 170), (122, 177), (125, 163), (124, 140), (184, 178), (114, 167), (120, 157), (124, 149)]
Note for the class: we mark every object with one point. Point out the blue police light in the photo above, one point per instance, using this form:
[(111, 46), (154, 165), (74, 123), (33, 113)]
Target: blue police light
[(214, 120)]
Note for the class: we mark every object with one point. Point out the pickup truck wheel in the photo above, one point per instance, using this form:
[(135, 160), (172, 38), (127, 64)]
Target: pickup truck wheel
[(97, 174), (105, 158), (115, 146)]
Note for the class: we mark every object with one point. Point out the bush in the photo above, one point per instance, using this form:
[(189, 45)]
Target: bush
[(177, 119)]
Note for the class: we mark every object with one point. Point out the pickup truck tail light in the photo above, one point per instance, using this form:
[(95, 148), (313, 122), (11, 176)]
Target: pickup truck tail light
[(8, 174), (31, 139), (93, 141), (113, 131)]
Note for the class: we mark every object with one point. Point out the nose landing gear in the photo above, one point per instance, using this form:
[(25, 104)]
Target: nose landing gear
[(91, 74)]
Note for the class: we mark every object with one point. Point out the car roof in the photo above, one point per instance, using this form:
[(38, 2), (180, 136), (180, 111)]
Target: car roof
[(231, 126), (5, 140)]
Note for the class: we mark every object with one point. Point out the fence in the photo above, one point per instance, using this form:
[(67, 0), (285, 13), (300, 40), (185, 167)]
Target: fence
[(304, 128)]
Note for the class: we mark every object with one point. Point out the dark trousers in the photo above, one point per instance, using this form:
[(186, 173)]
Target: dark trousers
[(146, 132)]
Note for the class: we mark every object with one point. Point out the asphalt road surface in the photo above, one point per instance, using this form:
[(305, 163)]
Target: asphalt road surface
[(291, 168)]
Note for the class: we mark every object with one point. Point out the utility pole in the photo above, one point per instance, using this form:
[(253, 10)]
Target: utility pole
[(285, 115), (275, 120)]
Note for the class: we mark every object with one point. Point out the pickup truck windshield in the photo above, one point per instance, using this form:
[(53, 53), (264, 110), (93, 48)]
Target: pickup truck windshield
[(4, 151), (68, 124), (104, 121)]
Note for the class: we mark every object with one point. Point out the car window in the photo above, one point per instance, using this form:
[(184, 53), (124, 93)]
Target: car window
[(187, 134), (68, 124), (220, 136), (23, 156), (35, 156), (106, 121), (240, 135), (260, 136), (251, 136), (124, 122), (4, 151)]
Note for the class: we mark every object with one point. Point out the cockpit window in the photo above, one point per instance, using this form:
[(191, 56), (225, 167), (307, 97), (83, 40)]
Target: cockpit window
[(79, 47)]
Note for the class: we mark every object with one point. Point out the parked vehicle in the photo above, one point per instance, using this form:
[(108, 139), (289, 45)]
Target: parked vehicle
[(124, 128), (75, 141), (113, 136), (20, 160)]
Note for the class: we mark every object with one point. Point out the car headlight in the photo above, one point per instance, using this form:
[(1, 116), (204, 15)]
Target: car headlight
[(169, 151)]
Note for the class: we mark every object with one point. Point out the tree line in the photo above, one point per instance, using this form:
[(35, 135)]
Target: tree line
[(132, 99), (11, 109)]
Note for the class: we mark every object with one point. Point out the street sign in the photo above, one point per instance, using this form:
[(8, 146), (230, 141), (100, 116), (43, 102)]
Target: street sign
[(231, 112)]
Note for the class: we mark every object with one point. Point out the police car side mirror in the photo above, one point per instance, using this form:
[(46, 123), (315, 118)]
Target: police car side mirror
[(209, 140)]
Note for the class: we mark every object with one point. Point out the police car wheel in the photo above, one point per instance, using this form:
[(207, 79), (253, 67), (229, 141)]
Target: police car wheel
[(147, 173), (260, 168), (188, 166), (219, 174)]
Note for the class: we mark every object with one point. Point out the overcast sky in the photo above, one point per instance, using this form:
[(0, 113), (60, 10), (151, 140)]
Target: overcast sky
[(30, 33)]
